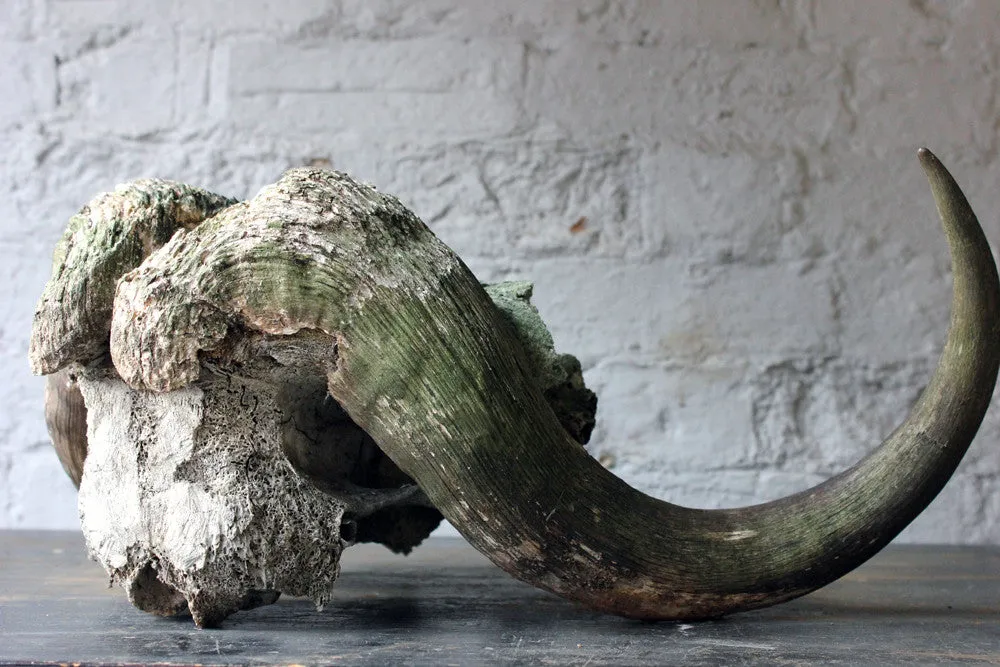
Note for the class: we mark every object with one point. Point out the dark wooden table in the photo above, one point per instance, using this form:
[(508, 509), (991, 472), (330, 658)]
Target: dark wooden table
[(446, 604)]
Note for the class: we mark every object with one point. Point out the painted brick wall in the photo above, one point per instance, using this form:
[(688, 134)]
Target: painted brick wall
[(719, 201)]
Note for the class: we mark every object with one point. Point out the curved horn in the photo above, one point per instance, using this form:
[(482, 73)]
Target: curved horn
[(419, 357), (66, 419)]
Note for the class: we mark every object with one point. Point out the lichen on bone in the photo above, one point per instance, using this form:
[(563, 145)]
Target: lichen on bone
[(250, 480)]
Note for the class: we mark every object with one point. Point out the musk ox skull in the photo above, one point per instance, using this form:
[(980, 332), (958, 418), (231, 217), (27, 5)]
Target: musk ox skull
[(267, 382)]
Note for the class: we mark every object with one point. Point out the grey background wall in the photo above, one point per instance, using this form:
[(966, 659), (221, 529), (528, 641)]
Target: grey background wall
[(718, 201)]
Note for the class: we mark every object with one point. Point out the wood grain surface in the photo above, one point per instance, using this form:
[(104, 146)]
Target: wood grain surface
[(446, 604)]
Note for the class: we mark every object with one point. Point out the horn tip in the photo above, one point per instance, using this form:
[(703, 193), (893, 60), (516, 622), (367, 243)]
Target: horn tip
[(936, 172)]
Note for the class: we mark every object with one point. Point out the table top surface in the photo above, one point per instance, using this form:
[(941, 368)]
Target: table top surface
[(446, 604)]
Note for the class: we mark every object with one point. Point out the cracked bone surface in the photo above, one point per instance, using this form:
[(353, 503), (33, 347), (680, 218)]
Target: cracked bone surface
[(225, 341), (251, 480)]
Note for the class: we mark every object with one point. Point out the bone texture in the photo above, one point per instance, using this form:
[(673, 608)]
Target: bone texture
[(251, 481)]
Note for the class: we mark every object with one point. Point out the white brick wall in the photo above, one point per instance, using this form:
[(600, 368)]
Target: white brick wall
[(758, 291)]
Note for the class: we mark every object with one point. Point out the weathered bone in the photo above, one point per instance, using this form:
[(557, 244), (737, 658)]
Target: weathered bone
[(215, 497), (322, 282)]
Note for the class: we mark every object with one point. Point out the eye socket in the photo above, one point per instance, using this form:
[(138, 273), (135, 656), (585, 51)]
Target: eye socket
[(348, 529)]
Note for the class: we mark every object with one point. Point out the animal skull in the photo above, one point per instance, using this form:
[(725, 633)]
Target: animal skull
[(268, 382)]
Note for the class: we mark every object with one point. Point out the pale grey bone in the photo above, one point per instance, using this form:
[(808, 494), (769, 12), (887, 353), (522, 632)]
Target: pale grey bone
[(252, 481)]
